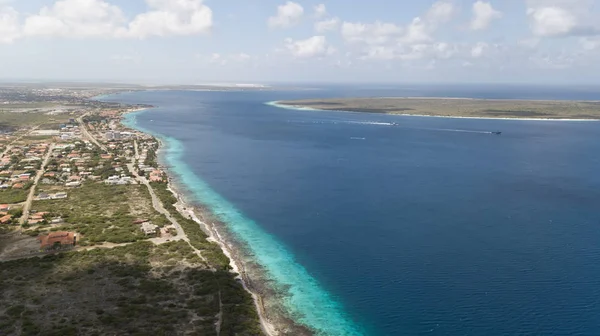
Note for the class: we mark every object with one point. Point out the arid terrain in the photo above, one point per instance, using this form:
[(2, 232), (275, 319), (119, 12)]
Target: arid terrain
[(449, 107)]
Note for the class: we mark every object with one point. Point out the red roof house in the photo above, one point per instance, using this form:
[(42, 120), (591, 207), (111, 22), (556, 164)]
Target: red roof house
[(57, 240)]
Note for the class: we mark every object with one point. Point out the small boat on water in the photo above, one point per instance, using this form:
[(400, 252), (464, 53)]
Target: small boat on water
[(497, 133)]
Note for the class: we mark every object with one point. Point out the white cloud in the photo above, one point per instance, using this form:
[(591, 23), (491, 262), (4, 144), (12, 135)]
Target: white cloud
[(381, 53), (101, 19), (216, 58), (375, 33), (420, 29), (388, 41), (327, 25), (9, 24), (483, 15), (315, 46), (479, 49), (224, 59), (416, 52), (551, 21), (168, 17), (440, 12), (444, 50), (561, 18), (241, 57), (75, 18), (288, 15), (417, 32), (556, 62), (320, 11), (588, 43)]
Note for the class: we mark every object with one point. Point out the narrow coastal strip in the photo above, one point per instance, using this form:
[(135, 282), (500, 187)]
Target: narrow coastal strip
[(456, 108), (288, 298)]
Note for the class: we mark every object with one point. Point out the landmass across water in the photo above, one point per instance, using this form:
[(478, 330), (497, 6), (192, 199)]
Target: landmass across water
[(456, 107)]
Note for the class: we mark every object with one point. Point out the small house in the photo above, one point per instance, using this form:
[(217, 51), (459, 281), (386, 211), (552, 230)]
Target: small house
[(149, 228), (61, 195), (57, 241), (5, 219), (43, 196)]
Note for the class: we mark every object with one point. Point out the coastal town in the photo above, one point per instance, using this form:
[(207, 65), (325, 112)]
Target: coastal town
[(86, 209)]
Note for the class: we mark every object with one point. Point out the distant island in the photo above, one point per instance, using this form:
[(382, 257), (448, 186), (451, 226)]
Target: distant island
[(457, 107)]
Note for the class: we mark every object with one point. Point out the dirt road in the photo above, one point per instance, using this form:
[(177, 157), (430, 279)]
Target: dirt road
[(40, 172)]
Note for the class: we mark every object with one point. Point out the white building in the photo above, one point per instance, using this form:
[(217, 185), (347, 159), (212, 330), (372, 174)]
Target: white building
[(149, 228)]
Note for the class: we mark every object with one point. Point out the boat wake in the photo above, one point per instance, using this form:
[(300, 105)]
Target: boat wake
[(455, 130), (382, 123), (343, 122)]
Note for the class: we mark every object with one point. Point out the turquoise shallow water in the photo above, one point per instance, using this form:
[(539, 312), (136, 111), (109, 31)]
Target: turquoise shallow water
[(304, 299)]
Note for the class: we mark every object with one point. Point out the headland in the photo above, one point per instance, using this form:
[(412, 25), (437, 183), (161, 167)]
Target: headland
[(456, 107)]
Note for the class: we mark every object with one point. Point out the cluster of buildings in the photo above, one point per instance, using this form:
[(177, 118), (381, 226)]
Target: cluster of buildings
[(118, 135), (40, 217), (74, 163), (119, 180), (19, 164), (156, 175), (70, 131)]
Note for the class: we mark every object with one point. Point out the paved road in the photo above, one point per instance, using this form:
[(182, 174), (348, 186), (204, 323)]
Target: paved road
[(137, 152), (39, 174), (88, 135)]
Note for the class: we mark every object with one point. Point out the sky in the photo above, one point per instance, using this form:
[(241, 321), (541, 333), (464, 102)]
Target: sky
[(267, 41)]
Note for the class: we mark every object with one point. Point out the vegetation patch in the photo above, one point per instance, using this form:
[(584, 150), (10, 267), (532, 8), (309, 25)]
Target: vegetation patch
[(198, 238), (13, 196), (22, 119), (103, 213), (520, 113), (458, 107), (139, 289)]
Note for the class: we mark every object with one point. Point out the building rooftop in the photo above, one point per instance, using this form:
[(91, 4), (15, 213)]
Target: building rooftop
[(60, 237)]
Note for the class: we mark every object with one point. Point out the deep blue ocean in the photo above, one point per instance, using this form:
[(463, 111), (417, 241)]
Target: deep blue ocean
[(432, 227)]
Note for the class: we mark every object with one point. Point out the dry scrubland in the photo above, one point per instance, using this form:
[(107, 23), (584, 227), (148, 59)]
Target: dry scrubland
[(135, 289), (139, 289), (459, 107), (103, 213)]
